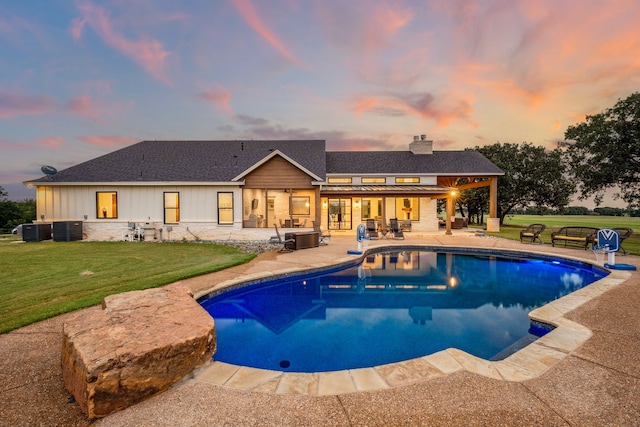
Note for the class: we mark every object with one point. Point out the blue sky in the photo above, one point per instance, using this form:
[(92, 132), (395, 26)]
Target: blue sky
[(80, 79)]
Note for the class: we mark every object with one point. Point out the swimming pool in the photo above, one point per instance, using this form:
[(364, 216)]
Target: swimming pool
[(395, 305)]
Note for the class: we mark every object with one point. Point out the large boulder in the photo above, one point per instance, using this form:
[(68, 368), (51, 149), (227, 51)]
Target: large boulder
[(133, 347)]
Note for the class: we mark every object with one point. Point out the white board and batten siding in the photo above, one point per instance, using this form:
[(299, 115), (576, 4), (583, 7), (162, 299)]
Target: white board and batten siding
[(139, 204)]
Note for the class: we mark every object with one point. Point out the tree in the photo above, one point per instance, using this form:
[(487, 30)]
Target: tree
[(14, 213), (531, 176), (604, 152)]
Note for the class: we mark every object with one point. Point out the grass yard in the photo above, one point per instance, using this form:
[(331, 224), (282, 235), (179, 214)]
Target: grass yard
[(44, 279), (514, 223)]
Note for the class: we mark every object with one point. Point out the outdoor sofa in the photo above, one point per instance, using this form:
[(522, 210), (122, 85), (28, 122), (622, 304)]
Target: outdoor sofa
[(576, 236)]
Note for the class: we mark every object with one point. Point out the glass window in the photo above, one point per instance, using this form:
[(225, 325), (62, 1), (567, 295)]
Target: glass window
[(407, 180), (371, 208), (225, 208), (171, 208), (339, 180), (106, 204), (374, 180), (300, 206), (408, 208)]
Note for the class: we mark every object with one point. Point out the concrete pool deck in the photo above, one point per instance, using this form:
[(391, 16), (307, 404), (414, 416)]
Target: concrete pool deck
[(595, 381)]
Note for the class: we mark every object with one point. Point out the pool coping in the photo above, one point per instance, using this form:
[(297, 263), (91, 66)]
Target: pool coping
[(529, 362)]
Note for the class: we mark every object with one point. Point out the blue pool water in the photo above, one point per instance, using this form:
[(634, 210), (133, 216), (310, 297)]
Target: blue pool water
[(394, 306)]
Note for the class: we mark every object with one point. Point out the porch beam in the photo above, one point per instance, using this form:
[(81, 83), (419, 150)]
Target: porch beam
[(474, 185)]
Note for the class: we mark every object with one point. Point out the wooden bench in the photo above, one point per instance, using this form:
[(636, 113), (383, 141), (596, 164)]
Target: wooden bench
[(577, 236)]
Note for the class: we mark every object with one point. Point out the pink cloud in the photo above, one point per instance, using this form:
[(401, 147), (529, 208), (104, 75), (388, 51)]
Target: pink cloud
[(250, 15), (77, 25), (529, 53), (108, 141), (54, 142), (363, 105), (382, 23), (220, 98), (15, 146), (371, 39), (84, 106), (13, 104), (425, 105), (350, 28), (146, 52)]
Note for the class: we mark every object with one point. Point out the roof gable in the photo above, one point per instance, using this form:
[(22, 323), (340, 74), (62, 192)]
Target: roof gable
[(271, 156)]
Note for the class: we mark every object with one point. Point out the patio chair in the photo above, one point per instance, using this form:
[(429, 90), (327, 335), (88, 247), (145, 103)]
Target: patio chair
[(372, 229), (532, 233), (624, 233), (286, 244), (324, 235), (395, 229)]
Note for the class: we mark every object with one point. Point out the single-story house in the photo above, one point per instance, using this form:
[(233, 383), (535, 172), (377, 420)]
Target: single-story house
[(213, 190)]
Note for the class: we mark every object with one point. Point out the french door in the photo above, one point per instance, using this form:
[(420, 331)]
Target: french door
[(339, 214)]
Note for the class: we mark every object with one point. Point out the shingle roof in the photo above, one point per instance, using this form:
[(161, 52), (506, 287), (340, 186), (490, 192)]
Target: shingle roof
[(394, 162), (222, 161), (190, 161)]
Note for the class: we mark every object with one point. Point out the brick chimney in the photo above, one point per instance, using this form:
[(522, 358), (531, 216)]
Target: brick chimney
[(421, 145)]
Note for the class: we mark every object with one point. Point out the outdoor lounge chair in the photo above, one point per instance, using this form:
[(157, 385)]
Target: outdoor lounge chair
[(395, 229), (532, 233), (372, 229), (324, 235), (286, 244)]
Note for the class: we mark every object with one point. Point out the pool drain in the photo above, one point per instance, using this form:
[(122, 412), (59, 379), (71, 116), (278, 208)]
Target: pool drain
[(285, 364)]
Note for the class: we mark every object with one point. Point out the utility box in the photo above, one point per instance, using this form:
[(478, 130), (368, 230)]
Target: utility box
[(36, 232), (67, 231), (149, 232)]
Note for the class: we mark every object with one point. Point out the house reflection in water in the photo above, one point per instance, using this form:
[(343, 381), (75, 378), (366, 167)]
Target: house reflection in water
[(420, 282)]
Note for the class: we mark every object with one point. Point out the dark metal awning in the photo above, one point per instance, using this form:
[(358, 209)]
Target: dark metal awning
[(372, 190)]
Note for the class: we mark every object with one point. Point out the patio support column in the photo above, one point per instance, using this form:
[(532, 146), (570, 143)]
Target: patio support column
[(450, 212), (291, 207), (318, 212), (493, 223)]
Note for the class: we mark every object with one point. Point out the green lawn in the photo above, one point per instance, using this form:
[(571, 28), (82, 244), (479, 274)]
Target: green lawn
[(514, 223), (42, 280)]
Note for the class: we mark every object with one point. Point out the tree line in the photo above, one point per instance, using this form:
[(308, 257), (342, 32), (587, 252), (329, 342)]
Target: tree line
[(598, 155)]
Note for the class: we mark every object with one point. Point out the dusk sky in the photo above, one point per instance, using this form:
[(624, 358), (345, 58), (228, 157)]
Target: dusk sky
[(81, 79)]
